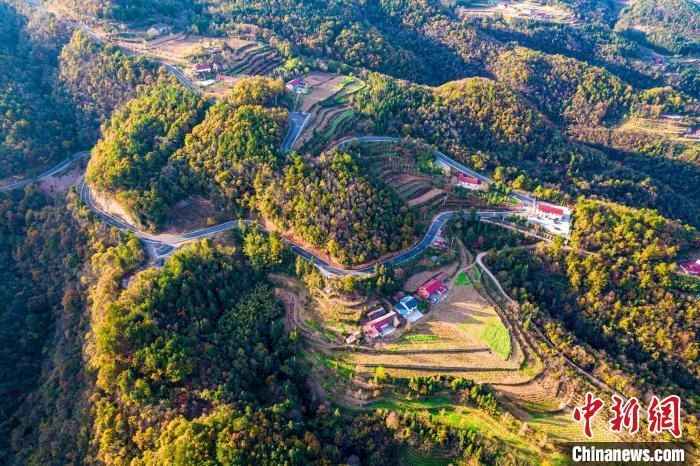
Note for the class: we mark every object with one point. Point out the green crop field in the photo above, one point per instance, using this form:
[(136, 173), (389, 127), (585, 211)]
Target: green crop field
[(463, 280), (496, 336), (420, 338)]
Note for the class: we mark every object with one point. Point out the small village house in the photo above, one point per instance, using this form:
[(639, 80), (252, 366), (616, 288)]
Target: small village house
[(201, 68), (297, 85), (469, 182), (433, 291), (158, 30), (382, 325), (408, 308), (549, 211)]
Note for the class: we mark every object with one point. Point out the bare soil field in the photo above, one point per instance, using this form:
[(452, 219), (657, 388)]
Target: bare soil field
[(327, 85), (447, 340), (60, 184), (666, 127), (457, 322), (191, 214), (177, 48), (517, 9)]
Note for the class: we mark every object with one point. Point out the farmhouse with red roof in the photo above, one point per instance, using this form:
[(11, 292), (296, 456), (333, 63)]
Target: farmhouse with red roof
[(553, 218), (297, 85), (433, 290), (691, 268), (382, 325), (550, 211), (468, 182)]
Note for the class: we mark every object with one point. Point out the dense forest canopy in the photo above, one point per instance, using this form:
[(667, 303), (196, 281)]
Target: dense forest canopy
[(670, 25), (487, 125), (620, 296), (136, 147), (99, 79), (336, 207), (230, 153), (36, 124), (169, 143)]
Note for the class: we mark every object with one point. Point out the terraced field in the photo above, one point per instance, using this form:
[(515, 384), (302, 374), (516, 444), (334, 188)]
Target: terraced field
[(449, 339), (397, 165), (254, 59), (444, 410), (329, 115), (338, 313)]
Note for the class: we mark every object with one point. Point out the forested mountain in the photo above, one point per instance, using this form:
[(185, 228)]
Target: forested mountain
[(97, 80), (487, 125), (567, 90), (58, 89), (168, 143), (230, 153), (42, 248), (620, 297), (129, 160), (36, 124), (334, 206), (670, 25)]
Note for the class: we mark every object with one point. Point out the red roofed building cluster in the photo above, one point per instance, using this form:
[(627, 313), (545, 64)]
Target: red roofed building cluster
[(382, 325)]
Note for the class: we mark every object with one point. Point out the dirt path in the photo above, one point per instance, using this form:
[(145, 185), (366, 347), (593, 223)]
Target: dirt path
[(591, 378)]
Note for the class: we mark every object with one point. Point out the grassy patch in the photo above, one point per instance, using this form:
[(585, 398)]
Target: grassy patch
[(326, 333), (420, 338), (477, 274), (462, 279), (497, 338), (345, 370)]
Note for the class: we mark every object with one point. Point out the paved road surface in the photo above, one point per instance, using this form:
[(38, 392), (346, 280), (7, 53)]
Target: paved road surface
[(297, 121), (57, 169), (180, 76), (163, 244)]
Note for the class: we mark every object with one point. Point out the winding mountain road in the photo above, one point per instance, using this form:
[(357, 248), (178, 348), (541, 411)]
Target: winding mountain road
[(174, 240), (97, 38), (591, 378), (51, 172)]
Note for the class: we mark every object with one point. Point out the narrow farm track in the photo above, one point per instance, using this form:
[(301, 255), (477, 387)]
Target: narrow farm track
[(591, 378)]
